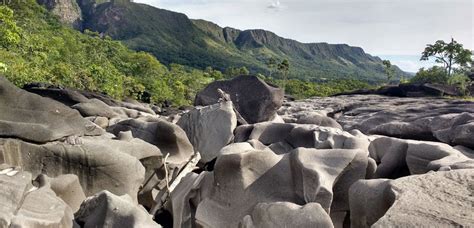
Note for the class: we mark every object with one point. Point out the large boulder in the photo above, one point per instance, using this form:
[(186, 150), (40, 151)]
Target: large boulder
[(25, 205), (66, 187), (390, 155), (108, 210), (286, 135), (442, 199), (168, 137), (320, 120), (400, 157), (243, 180), (286, 214), (70, 97), (98, 164), (187, 195), (33, 118), (255, 100), (455, 129), (95, 107), (369, 200), (210, 128)]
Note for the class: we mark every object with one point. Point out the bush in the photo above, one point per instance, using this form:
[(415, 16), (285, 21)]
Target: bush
[(305, 89), (461, 81), (46, 51), (432, 75)]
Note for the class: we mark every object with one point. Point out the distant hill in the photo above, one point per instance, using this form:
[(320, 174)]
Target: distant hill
[(174, 38)]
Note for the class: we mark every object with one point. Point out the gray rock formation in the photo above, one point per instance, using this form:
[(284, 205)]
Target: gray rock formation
[(108, 210), (95, 107), (33, 118), (243, 180), (369, 200), (400, 157), (286, 136), (70, 97), (436, 199), (255, 100), (424, 118), (285, 214), (68, 11), (319, 169), (455, 129), (317, 119), (168, 137), (25, 205), (210, 128), (66, 187), (98, 164)]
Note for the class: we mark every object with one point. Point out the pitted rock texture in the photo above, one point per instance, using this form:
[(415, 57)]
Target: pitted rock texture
[(34, 118), (25, 205), (435, 199), (424, 118)]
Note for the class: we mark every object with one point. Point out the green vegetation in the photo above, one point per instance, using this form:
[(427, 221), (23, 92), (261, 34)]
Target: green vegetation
[(389, 70), (37, 48), (304, 89), (9, 31), (435, 74), (448, 54), (456, 65), (173, 38), (461, 81)]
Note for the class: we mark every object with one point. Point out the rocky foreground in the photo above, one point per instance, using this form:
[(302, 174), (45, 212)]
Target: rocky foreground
[(241, 158)]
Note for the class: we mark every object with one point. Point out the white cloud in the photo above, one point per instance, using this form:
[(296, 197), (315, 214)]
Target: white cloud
[(275, 5)]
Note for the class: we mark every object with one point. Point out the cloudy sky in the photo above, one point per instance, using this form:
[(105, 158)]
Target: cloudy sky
[(394, 29)]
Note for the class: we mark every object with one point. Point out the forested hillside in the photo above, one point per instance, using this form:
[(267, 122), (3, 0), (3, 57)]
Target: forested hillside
[(174, 38), (36, 47)]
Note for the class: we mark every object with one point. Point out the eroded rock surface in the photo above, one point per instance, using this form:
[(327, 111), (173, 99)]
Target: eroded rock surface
[(435, 199), (99, 165), (34, 118), (424, 118), (108, 210), (25, 205), (284, 214), (210, 128)]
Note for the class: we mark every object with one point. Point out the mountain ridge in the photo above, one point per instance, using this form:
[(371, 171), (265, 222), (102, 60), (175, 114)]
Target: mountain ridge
[(174, 38)]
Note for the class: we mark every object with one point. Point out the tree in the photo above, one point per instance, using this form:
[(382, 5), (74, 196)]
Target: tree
[(449, 54), (284, 68), (9, 31), (231, 72), (389, 70), (244, 71), (272, 64)]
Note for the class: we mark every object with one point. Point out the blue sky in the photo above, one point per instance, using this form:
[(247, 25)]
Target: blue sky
[(397, 29)]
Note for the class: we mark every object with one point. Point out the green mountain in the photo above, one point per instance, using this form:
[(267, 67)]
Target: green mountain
[(174, 38), (36, 47)]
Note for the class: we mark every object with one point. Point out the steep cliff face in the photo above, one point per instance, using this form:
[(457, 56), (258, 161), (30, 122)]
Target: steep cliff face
[(68, 11), (318, 56), (174, 38)]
